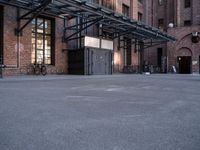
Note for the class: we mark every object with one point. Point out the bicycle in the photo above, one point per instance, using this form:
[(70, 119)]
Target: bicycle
[(40, 69)]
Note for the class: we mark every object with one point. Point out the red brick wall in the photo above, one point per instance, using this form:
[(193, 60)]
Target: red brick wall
[(175, 12), (11, 55), (184, 46)]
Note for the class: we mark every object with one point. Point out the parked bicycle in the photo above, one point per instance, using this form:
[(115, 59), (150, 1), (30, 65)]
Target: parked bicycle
[(40, 69)]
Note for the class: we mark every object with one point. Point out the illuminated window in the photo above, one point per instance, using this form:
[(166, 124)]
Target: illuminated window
[(42, 41)]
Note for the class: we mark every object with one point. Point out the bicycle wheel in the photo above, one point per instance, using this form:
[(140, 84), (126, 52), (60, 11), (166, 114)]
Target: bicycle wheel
[(37, 70), (43, 70)]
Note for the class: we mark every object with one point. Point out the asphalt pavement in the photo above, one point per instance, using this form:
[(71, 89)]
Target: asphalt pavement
[(118, 112)]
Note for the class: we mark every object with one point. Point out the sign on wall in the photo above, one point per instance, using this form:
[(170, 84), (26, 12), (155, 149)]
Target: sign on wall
[(98, 43), (92, 42), (106, 44)]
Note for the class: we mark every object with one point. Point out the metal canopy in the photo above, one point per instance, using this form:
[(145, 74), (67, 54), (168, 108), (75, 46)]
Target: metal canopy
[(91, 13)]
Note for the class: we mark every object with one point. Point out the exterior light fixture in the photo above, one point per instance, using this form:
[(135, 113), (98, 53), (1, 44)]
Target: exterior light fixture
[(195, 37)]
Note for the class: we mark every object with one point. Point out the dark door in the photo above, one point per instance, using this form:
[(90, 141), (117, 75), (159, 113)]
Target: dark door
[(159, 57), (184, 64), (1, 35)]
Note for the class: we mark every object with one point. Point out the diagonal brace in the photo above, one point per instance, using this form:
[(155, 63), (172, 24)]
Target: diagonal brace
[(38, 10), (95, 22)]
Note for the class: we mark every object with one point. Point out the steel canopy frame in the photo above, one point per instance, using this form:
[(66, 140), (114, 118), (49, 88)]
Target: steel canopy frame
[(91, 13)]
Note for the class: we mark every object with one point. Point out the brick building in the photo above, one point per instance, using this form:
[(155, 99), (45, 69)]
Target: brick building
[(18, 52), (180, 18), (31, 36)]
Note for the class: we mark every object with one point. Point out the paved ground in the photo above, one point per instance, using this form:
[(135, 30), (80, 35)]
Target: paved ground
[(120, 112)]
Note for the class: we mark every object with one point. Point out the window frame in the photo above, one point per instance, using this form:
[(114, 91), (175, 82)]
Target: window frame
[(140, 16), (125, 10), (52, 38), (161, 20)]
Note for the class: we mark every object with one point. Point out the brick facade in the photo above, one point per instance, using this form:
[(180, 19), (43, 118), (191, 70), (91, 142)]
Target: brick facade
[(17, 50), (175, 12)]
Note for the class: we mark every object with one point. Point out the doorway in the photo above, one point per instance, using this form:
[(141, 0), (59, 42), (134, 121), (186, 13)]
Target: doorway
[(101, 62), (1, 35), (159, 57), (184, 64)]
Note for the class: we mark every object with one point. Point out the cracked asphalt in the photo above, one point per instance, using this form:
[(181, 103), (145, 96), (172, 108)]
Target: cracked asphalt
[(118, 112)]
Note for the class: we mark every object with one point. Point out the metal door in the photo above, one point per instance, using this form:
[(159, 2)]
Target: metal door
[(100, 62)]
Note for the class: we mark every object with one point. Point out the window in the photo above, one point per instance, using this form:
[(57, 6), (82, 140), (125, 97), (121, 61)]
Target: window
[(140, 1), (43, 41), (125, 10), (187, 23), (160, 2), (187, 3), (140, 16), (161, 24), (1, 35), (107, 3)]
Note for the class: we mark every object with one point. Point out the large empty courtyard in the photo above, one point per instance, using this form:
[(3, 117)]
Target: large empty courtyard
[(119, 112)]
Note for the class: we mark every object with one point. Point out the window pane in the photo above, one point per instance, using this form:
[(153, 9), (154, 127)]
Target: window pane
[(33, 25), (33, 48), (48, 56), (48, 50), (47, 26), (40, 24), (40, 48), (39, 56), (39, 41)]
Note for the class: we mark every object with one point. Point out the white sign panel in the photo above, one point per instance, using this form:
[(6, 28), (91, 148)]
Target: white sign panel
[(106, 44), (92, 42)]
